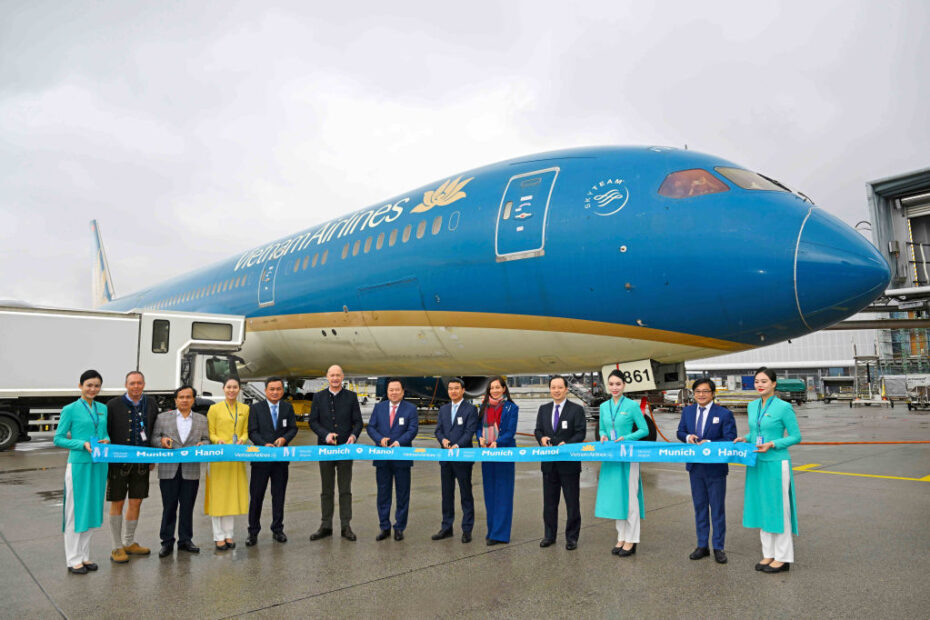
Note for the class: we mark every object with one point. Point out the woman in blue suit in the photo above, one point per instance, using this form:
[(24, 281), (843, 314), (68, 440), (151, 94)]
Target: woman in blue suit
[(85, 481), (497, 428)]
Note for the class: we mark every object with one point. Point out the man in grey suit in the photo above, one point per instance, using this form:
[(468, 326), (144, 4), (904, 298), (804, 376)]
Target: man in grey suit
[(179, 482)]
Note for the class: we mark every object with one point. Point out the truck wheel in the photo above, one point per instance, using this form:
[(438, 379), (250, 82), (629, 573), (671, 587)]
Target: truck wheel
[(9, 431)]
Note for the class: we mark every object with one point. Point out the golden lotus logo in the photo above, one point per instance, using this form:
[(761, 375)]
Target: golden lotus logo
[(446, 194), (252, 449), (419, 449), (588, 448)]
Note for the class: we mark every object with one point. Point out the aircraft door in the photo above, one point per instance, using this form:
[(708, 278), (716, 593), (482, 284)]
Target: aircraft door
[(521, 219), (266, 282)]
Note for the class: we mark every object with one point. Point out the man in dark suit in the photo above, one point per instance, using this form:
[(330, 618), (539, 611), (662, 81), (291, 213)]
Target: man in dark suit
[(394, 422), (272, 423), (559, 422), (455, 428), (336, 418), (700, 423)]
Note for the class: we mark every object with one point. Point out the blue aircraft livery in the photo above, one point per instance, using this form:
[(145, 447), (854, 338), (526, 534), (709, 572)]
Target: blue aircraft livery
[(557, 261)]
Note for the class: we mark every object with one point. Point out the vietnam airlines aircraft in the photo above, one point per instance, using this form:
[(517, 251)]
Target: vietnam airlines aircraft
[(559, 261)]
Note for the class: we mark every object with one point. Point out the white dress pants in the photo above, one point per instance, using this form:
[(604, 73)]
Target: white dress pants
[(77, 544), (628, 529), (781, 546), (223, 528)]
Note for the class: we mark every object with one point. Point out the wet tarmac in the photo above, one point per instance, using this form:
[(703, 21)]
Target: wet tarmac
[(864, 548)]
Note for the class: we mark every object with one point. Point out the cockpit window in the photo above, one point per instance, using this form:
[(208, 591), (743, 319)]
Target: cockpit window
[(750, 180), (689, 183)]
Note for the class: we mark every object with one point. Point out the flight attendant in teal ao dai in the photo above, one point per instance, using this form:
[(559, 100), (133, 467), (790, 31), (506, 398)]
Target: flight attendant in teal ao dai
[(770, 500), (85, 481), (619, 489)]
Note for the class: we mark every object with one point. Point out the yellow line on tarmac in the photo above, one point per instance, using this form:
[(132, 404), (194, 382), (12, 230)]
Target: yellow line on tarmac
[(810, 468)]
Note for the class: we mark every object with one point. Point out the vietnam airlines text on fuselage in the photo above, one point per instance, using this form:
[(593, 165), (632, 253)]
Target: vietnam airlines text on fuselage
[(558, 261)]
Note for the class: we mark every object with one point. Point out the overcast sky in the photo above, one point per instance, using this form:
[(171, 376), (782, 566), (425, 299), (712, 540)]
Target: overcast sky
[(196, 130)]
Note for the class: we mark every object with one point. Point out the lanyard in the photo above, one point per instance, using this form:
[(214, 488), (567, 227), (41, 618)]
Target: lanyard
[(94, 416), (236, 419), (761, 414), (613, 413)]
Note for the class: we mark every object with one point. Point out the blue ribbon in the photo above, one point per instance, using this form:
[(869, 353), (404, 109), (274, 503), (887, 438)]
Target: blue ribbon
[(626, 451)]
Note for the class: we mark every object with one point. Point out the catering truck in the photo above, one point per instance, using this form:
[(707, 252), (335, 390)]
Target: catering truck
[(44, 351)]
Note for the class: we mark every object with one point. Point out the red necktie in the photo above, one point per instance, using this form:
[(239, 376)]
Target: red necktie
[(393, 413)]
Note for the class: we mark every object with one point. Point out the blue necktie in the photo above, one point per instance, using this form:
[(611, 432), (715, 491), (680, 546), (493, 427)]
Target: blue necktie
[(274, 416), (700, 423), (455, 408), (555, 419)]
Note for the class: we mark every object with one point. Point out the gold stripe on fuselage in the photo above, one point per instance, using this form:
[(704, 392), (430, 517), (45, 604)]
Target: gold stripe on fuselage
[(484, 320)]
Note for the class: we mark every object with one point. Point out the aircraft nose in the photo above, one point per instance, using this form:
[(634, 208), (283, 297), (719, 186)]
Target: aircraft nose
[(837, 271)]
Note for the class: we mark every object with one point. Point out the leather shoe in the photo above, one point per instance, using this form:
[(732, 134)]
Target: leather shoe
[(491, 542), (90, 566), (280, 537), (137, 549), (546, 542), (720, 556), (398, 534), (761, 566), (771, 569), (348, 534), (627, 552), (466, 537), (165, 551), (222, 547), (323, 532), (251, 540), (700, 552), (230, 544), (382, 535), (616, 550), (447, 533), (189, 547), (81, 570), (571, 545)]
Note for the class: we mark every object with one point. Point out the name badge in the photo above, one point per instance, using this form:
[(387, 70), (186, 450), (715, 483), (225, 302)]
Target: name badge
[(459, 421), (400, 421), (565, 424), (716, 421), (758, 440), (613, 435), (142, 435), (235, 438), (284, 423)]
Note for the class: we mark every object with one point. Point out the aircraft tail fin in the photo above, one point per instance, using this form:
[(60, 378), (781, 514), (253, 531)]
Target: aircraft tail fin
[(102, 283)]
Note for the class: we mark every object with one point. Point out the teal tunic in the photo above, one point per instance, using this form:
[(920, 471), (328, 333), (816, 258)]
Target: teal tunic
[(763, 506), (613, 486), (89, 479)]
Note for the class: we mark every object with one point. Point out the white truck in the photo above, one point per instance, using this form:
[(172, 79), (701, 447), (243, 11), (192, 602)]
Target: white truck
[(44, 351)]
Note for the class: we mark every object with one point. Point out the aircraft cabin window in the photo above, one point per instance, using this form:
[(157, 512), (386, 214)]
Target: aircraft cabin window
[(749, 180), (437, 224), (345, 250), (355, 247), (393, 238), (316, 259), (297, 265), (421, 229), (690, 183), (160, 332), (406, 236), (325, 256), (367, 245), (380, 242)]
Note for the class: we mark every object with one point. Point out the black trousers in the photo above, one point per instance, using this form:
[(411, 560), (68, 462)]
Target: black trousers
[(328, 474), (261, 473), (555, 483), (449, 474), (174, 492)]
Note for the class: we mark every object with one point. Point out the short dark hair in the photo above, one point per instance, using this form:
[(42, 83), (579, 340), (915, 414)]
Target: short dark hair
[(455, 380), (90, 374), (554, 377), (232, 378), (274, 379), (768, 372), (186, 387), (704, 381), (134, 372), (616, 373), (391, 380)]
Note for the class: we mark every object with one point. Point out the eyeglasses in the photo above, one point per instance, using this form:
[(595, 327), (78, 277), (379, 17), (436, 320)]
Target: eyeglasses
[(703, 392)]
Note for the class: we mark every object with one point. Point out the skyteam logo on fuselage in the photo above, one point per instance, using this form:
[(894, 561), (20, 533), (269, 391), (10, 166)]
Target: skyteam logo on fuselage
[(607, 197)]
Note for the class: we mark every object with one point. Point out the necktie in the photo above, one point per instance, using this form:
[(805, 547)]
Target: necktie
[(393, 413), (555, 419), (455, 408), (700, 424), (274, 416)]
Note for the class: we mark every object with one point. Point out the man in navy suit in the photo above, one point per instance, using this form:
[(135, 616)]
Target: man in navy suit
[(700, 423), (456, 428), (393, 423), (272, 423)]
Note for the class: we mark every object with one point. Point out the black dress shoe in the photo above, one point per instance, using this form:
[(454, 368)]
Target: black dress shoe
[(348, 534), (81, 570), (466, 537), (784, 568), (398, 534), (761, 566), (383, 534), (546, 542), (571, 545), (720, 556), (189, 547), (491, 542), (323, 532), (231, 545), (616, 550), (165, 551), (700, 552), (280, 537), (90, 566), (447, 533), (222, 547), (251, 540), (627, 552)]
